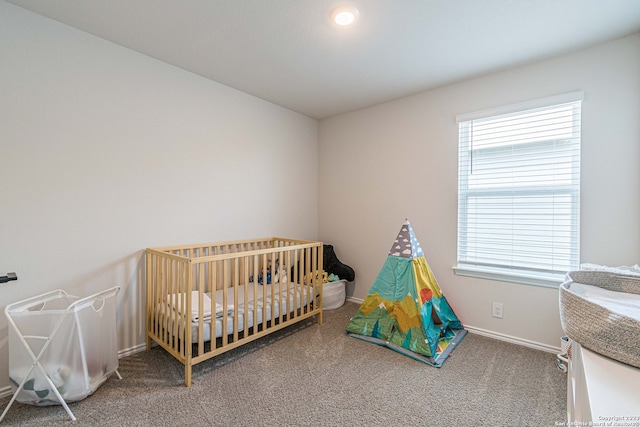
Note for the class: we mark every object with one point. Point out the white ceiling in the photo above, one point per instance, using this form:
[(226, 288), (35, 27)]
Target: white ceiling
[(288, 51)]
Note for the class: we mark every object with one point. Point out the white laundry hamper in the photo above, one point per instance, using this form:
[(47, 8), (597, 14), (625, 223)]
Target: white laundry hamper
[(61, 347)]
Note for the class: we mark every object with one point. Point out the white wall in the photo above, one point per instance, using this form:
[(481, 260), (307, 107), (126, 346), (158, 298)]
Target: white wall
[(397, 160), (104, 152)]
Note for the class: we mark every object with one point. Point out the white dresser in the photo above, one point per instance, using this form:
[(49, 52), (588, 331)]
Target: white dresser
[(601, 391)]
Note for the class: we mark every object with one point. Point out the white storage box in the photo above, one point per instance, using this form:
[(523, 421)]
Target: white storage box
[(333, 294), (70, 339)]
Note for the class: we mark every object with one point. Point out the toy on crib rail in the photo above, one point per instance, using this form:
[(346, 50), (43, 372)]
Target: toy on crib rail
[(320, 277)]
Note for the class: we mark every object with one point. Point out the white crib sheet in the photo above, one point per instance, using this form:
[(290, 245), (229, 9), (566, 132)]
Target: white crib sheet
[(291, 298)]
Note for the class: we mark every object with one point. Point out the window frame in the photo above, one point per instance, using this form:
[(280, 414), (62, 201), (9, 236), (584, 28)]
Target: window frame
[(529, 276)]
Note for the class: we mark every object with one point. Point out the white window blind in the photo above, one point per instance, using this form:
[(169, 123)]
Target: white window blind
[(519, 191)]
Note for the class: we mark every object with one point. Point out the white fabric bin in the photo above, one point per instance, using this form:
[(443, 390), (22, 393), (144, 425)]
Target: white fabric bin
[(72, 339), (333, 294)]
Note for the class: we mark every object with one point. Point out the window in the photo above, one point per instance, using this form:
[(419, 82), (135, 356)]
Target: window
[(519, 191)]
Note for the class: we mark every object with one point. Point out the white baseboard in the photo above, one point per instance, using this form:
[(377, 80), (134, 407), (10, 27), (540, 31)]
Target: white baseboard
[(132, 350), (4, 392), (514, 340), (496, 335)]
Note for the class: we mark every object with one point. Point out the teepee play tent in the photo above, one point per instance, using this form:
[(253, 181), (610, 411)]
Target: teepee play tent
[(405, 309)]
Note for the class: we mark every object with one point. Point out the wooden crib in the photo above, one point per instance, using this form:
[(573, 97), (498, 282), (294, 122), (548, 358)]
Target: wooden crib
[(203, 300)]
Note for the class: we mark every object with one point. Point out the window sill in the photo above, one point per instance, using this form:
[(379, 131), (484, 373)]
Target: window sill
[(542, 279)]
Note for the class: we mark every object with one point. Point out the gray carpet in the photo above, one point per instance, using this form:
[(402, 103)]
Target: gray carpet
[(310, 375)]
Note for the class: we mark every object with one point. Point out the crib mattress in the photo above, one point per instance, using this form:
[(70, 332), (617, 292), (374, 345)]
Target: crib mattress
[(292, 297)]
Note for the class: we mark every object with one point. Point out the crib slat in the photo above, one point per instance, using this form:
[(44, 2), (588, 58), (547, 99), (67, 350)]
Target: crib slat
[(201, 307), (319, 289), (254, 284), (214, 276), (187, 348), (236, 304), (245, 300), (167, 290), (264, 291), (225, 301)]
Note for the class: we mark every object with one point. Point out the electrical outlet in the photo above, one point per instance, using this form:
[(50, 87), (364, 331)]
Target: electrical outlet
[(497, 310)]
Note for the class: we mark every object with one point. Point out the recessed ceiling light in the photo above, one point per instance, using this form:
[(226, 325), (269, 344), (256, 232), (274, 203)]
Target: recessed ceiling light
[(345, 15)]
